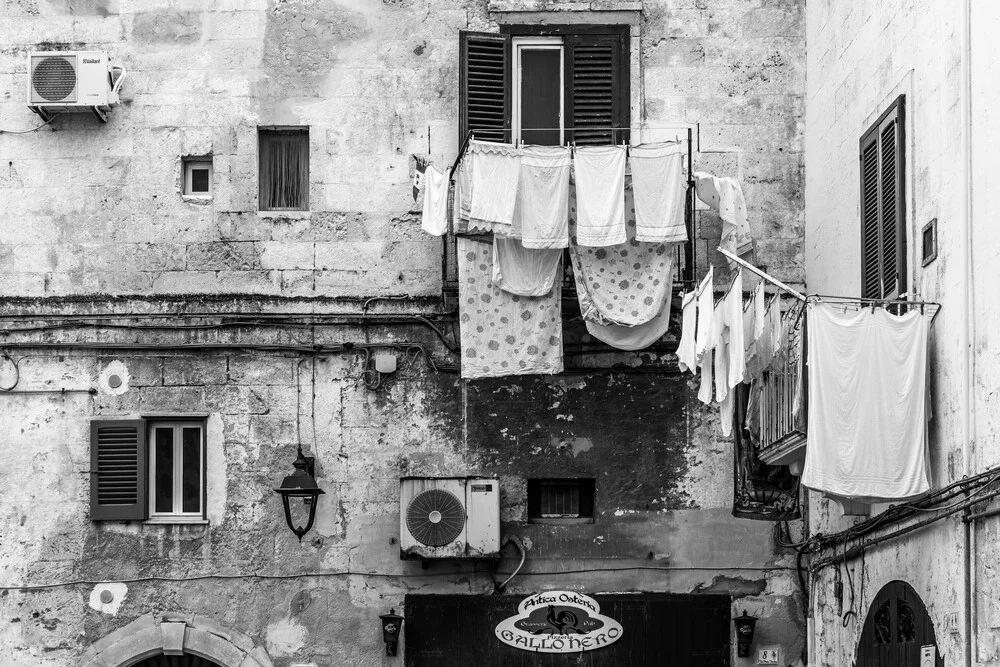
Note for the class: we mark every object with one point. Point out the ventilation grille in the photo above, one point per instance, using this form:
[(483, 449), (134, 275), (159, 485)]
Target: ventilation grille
[(435, 517), (117, 465), (53, 79)]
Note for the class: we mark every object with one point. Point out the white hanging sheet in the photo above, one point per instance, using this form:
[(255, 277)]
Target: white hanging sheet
[(600, 191), (542, 213), (495, 173), (524, 271), (658, 183)]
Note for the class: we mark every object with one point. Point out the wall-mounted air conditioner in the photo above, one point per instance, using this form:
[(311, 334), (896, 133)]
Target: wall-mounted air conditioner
[(449, 517), (72, 82)]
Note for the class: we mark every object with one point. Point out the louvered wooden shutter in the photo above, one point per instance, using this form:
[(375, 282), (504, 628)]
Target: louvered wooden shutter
[(118, 470), (484, 86), (883, 238), (597, 87)]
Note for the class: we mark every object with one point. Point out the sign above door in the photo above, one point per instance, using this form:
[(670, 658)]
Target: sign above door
[(558, 622)]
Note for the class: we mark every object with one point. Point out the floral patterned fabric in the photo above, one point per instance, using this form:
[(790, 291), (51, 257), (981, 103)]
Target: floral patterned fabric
[(502, 333)]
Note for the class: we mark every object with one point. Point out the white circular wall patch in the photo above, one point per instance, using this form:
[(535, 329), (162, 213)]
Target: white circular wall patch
[(114, 379)]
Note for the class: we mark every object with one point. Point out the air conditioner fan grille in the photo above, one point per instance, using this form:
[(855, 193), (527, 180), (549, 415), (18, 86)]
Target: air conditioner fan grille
[(54, 79), (435, 517)]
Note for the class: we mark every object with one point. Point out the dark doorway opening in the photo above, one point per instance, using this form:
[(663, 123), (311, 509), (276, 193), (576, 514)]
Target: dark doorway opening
[(657, 629), (185, 660), (896, 627)]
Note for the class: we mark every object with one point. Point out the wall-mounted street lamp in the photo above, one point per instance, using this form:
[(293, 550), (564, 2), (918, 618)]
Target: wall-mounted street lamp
[(300, 486), (745, 626), (392, 623)]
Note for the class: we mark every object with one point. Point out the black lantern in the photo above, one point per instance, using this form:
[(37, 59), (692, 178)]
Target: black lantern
[(392, 623), (301, 484), (745, 626)]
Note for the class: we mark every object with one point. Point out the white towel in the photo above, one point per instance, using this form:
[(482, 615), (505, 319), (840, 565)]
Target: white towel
[(523, 271), (435, 211), (721, 344), (734, 326), (867, 403), (726, 196), (706, 312), (600, 195), (658, 183), (495, 173), (543, 197), (689, 316)]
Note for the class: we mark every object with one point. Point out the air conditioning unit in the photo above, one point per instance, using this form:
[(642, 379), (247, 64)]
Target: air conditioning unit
[(449, 517), (72, 82)]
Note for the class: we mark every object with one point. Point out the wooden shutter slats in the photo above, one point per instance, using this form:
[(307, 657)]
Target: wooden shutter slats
[(118, 470), (889, 223), (595, 78), (484, 84)]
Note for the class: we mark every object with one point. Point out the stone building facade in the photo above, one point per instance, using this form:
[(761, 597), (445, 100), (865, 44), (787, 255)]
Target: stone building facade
[(124, 298)]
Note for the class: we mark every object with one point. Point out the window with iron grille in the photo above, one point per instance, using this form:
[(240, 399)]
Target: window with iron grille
[(144, 469), (283, 169), (883, 231), (561, 500)]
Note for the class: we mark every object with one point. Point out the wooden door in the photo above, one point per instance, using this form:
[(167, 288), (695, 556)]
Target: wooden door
[(896, 627), (679, 630)]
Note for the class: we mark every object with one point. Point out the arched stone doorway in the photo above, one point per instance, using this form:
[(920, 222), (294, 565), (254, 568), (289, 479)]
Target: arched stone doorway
[(896, 627), (187, 639), (186, 660)]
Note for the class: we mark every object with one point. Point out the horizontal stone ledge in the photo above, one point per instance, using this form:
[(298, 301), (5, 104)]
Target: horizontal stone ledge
[(507, 6)]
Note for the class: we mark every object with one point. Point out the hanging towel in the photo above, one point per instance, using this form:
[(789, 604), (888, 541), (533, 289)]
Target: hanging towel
[(435, 212), (658, 182), (734, 327), (543, 197), (867, 403), (600, 191), (463, 196), (721, 344), (686, 359), (726, 196), (523, 271), (706, 312), (495, 173), (705, 389), (627, 284), (504, 334), (758, 310)]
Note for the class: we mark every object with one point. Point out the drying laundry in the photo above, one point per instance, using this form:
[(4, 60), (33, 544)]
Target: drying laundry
[(627, 284), (463, 196), (501, 333), (632, 338), (726, 196), (600, 191), (658, 183), (721, 345), (435, 211), (733, 305), (706, 311), (686, 359), (524, 271), (495, 174), (867, 403), (542, 212), (758, 310)]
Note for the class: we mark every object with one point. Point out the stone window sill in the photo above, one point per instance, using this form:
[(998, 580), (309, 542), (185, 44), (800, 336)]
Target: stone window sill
[(290, 215), (175, 520)]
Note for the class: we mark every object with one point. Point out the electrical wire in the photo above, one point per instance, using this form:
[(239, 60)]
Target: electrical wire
[(17, 371), (34, 129)]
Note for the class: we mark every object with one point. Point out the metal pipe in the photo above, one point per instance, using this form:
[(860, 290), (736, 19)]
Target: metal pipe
[(766, 276), (968, 518)]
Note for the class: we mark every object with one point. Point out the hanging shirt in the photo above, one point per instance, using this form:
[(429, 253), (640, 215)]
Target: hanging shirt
[(686, 359), (734, 325), (721, 344), (758, 310), (523, 271), (495, 173), (705, 389), (658, 182), (600, 195), (867, 403), (435, 211), (726, 196), (463, 196), (706, 312), (543, 197)]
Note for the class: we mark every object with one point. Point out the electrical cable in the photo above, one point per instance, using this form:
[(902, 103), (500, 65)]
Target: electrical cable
[(17, 371), (34, 129)]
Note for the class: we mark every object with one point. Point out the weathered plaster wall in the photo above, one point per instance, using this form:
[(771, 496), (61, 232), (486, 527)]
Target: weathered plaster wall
[(99, 212), (861, 56)]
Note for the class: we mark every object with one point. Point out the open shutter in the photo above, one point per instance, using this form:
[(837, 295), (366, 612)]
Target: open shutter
[(484, 86), (883, 235), (597, 82), (118, 470)]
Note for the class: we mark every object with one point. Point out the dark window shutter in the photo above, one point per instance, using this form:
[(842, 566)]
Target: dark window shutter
[(883, 234), (597, 87), (118, 470), (484, 86)]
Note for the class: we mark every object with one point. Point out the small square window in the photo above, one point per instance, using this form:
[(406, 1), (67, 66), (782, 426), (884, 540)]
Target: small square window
[(176, 470), (283, 169), (560, 500), (198, 176)]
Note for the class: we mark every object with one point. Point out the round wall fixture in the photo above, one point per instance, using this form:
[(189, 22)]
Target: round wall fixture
[(114, 379)]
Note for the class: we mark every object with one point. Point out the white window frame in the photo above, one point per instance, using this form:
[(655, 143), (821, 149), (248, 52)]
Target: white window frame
[(177, 515), (192, 163), (539, 44)]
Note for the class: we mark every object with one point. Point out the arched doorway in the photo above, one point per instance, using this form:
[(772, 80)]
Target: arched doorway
[(185, 660), (896, 627)]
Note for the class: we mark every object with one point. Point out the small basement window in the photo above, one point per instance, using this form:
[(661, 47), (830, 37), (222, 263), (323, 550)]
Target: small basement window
[(283, 169), (198, 176), (561, 500)]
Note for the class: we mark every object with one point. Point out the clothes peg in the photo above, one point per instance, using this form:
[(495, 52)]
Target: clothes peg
[(921, 309)]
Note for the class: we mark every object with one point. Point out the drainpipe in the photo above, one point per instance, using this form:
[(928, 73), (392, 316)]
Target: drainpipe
[(968, 332)]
